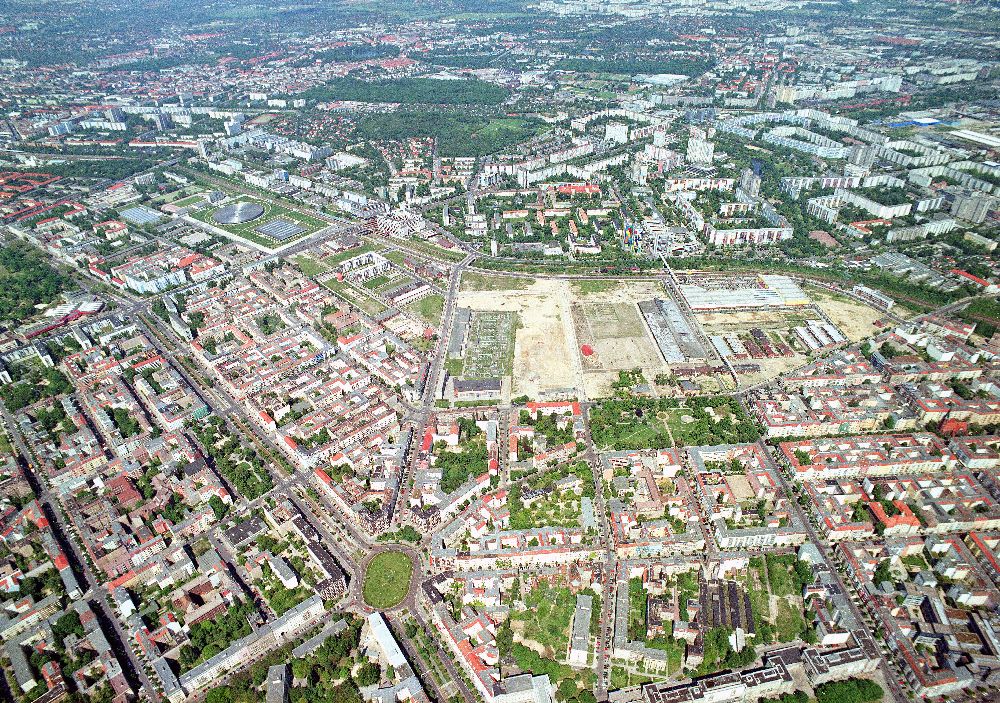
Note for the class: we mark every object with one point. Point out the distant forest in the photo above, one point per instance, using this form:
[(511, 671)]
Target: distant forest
[(459, 133), (410, 91), (631, 67)]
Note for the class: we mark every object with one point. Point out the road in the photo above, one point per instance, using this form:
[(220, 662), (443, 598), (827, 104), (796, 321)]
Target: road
[(444, 656), (419, 416), (419, 666), (609, 576)]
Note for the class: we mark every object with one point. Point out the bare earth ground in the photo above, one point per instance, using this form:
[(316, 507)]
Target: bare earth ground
[(634, 348), (547, 354), (543, 356), (854, 319), (556, 317), (617, 334)]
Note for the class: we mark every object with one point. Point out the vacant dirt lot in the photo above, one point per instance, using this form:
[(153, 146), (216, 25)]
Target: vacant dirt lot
[(854, 319), (544, 351), (556, 317), (617, 334)]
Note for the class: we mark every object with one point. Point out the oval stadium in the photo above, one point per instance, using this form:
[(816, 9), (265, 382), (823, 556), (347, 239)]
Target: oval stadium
[(238, 213)]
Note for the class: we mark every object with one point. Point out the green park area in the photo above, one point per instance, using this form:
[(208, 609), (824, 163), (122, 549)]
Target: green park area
[(629, 422), (387, 579), (428, 308), (272, 211)]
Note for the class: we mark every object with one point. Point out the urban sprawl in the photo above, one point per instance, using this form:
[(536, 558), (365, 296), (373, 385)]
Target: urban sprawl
[(515, 352)]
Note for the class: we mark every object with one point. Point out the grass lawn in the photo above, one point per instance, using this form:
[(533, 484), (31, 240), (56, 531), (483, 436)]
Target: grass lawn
[(756, 585), (615, 425), (472, 281), (553, 510), (588, 287), (355, 297), (779, 573), (623, 678), (395, 256), (190, 200), (387, 579), (673, 648), (429, 308), (547, 620), (392, 282), (788, 621), (334, 259), (377, 282), (310, 266)]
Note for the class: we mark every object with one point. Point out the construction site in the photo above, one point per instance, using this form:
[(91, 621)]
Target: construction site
[(573, 338)]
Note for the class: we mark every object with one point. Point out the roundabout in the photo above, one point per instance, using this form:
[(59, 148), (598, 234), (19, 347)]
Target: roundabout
[(387, 579)]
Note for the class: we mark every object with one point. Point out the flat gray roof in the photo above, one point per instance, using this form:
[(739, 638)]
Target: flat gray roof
[(581, 623)]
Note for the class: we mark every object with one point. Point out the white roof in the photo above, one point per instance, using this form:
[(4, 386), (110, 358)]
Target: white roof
[(386, 642)]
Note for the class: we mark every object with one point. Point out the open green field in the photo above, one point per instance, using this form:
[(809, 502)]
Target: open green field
[(272, 211), (645, 423), (387, 580), (789, 624), (395, 256), (547, 617), (310, 266), (395, 280), (188, 201), (355, 297), (429, 308), (472, 281), (341, 256), (376, 283), (587, 287)]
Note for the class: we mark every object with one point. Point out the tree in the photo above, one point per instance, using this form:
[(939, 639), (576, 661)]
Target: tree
[(301, 669), (218, 507), (410, 91), (26, 280), (344, 693), (219, 694), (882, 572), (567, 690), (368, 675), (67, 624), (505, 640), (849, 691)]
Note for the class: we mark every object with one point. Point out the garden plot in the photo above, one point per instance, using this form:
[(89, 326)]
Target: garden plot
[(490, 348)]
